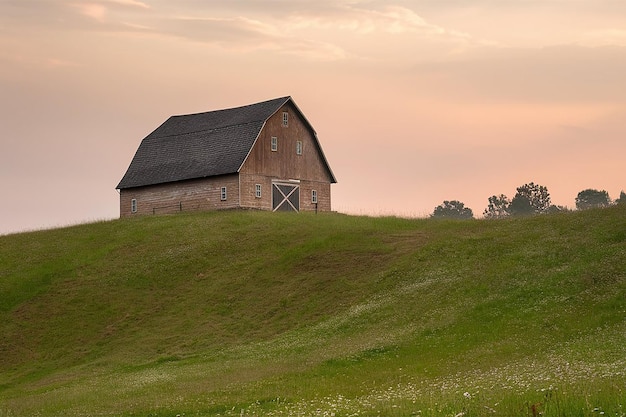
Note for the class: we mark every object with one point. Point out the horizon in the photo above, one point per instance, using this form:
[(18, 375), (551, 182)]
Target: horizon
[(414, 102)]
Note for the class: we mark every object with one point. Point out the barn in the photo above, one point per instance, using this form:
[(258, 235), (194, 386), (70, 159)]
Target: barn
[(262, 156)]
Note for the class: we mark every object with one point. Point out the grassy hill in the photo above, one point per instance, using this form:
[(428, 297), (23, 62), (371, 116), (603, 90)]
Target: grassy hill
[(254, 313)]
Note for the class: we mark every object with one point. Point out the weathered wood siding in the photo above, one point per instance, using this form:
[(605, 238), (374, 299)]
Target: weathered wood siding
[(247, 184), (323, 196), (264, 165), (199, 194)]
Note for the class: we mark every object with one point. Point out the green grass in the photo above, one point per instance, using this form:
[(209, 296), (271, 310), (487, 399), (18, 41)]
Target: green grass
[(254, 313)]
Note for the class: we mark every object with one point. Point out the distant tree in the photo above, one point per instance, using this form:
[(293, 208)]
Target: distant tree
[(498, 207), (621, 199), (452, 210), (589, 198), (557, 209), (520, 206), (530, 198)]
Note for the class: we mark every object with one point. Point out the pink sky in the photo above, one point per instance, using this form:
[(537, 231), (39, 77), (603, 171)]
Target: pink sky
[(414, 102)]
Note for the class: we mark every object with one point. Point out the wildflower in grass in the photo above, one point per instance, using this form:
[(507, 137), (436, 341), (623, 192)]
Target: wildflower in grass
[(467, 395)]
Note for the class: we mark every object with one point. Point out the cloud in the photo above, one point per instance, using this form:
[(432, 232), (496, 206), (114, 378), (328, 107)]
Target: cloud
[(24, 18), (132, 3), (322, 30), (363, 21), (219, 29), (98, 9), (318, 31), (242, 33), (93, 10), (369, 20)]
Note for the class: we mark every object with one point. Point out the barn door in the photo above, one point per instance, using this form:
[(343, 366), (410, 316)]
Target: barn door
[(285, 197)]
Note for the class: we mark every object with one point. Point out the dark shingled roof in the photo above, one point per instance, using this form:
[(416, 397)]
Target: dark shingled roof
[(200, 145)]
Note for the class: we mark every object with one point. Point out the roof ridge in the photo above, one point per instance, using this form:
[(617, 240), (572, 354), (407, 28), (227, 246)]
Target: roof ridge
[(283, 99)]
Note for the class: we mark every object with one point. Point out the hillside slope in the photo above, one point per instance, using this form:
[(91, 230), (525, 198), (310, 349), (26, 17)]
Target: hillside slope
[(259, 313)]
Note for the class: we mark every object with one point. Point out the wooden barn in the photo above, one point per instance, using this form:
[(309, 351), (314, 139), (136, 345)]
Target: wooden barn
[(262, 156)]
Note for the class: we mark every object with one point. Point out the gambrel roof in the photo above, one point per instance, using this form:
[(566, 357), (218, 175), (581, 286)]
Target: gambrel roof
[(203, 144)]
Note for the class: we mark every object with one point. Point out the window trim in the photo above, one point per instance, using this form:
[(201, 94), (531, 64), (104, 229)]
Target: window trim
[(257, 191), (223, 194), (314, 196), (274, 143), (299, 147), (133, 205), (285, 119)]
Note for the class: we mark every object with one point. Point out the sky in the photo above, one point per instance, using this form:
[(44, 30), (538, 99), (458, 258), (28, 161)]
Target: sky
[(414, 102)]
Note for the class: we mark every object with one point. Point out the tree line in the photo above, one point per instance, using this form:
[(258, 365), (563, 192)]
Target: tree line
[(530, 199)]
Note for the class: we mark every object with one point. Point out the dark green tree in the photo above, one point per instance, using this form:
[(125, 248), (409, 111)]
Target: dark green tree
[(530, 198), (452, 210), (498, 207), (621, 199), (590, 198), (520, 206)]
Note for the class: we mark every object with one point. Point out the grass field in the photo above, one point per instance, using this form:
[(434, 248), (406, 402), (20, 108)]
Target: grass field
[(254, 313)]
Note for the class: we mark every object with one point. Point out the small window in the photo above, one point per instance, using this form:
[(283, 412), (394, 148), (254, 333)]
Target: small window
[(257, 192), (299, 147), (285, 119), (133, 205), (223, 194), (314, 196), (274, 143)]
